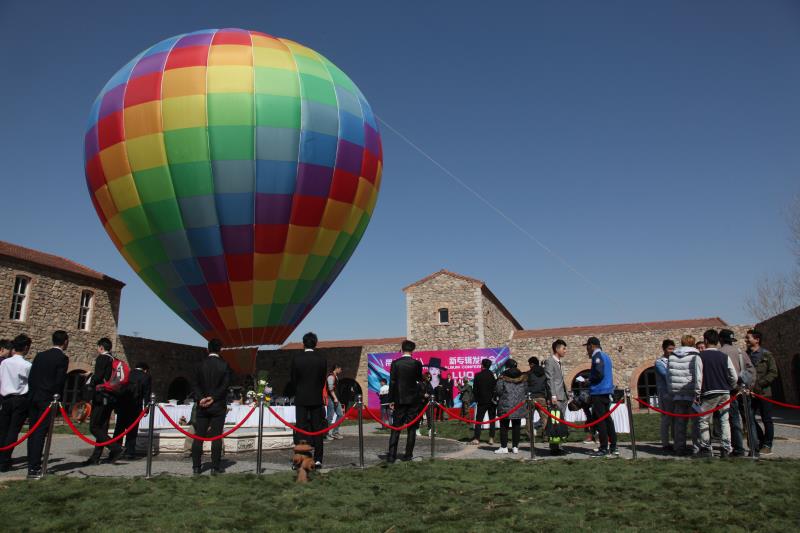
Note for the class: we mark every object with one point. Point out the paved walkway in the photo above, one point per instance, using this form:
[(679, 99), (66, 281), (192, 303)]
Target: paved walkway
[(69, 453)]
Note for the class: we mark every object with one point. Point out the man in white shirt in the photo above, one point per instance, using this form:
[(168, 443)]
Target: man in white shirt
[(14, 392)]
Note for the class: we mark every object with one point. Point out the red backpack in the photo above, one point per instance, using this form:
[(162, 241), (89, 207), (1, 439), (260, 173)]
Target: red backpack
[(120, 375)]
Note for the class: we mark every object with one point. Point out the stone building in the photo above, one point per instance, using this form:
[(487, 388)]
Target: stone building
[(782, 338), (41, 293)]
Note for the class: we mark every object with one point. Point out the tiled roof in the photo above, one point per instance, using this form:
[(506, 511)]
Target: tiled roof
[(53, 261), (478, 283), (712, 322), (354, 343)]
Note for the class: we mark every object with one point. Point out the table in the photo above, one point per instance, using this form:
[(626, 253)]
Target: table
[(235, 415)]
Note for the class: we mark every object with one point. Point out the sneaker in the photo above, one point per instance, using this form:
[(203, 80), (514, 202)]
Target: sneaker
[(474, 442), (765, 450), (35, 473), (491, 442), (737, 453), (337, 436), (328, 438), (501, 451), (419, 433), (599, 453), (514, 450), (614, 451), (724, 454), (318, 465), (704, 454)]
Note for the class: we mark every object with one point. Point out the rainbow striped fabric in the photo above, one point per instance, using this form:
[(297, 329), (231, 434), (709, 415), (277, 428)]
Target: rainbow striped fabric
[(236, 172)]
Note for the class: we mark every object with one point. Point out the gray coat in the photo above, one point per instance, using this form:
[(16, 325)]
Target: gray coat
[(681, 373), (510, 389), (555, 379)]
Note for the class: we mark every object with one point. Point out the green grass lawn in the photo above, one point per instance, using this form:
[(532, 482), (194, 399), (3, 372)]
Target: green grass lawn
[(645, 425), (604, 495)]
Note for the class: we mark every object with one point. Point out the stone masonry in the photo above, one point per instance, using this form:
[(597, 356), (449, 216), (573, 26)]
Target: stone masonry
[(782, 338)]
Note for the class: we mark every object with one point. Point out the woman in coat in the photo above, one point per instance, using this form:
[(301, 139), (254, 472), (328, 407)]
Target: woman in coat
[(511, 387)]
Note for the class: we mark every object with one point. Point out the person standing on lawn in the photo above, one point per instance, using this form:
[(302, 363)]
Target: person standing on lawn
[(601, 386), (766, 372), (483, 386), (308, 373), (212, 379), (334, 405), (556, 386), (510, 389), (681, 372), (130, 403), (716, 377), (14, 404), (47, 377), (747, 373), (383, 395), (465, 395), (664, 396), (405, 380)]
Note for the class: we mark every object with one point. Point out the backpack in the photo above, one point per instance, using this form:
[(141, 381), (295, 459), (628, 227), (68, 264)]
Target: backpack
[(556, 431), (120, 375)]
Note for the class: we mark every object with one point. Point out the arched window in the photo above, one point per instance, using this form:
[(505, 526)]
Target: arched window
[(444, 315), (577, 384), (73, 388), (646, 386), (179, 389)]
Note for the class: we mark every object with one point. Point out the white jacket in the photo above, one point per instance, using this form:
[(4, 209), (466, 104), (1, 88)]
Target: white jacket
[(681, 373)]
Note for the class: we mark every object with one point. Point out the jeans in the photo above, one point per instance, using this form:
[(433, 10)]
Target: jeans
[(706, 404), (764, 410), (334, 413), (683, 407), (479, 414), (738, 419), (386, 414), (667, 422), (516, 424), (605, 429)]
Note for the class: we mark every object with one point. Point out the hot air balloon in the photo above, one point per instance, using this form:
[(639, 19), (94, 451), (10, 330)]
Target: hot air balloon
[(236, 173)]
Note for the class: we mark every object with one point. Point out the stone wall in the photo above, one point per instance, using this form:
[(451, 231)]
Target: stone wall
[(497, 328), (167, 360), (53, 302), (631, 352), (782, 338), (460, 297)]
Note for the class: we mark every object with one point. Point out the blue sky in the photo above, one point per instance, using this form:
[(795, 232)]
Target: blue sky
[(652, 146)]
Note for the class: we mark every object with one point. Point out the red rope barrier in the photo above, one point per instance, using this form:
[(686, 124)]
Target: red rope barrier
[(398, 428), (29, 433), (490, 421), (581, 426), (776, 402), (310, 433), (688, 415), (206, 439), (91, 442)]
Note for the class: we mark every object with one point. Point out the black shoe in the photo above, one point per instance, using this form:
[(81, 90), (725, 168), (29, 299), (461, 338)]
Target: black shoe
[(197, 470), (5, 467), (724, 454), (405, 458), (737, 453), (129, 457), (113, 456), (91, 461), (318, 465), (704, 454), (614, 451), (35, 473), (599, 453), (217, 471)]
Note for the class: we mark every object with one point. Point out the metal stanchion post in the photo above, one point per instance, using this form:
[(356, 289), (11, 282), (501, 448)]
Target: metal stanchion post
[(748, 420), (432, 415), (260, 442), (531, 430), (49, 441), (360, 407), (630, 418), (151, 420)]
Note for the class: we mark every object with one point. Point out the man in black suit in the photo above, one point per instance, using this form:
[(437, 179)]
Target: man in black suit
[(211, 384), (103, 403), (130, 404), (484, 385), (47, 377), (307, 374), (405, 378)]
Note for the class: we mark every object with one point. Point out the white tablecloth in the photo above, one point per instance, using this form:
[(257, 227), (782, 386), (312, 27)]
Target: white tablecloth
[(620, 416), (235, 415)]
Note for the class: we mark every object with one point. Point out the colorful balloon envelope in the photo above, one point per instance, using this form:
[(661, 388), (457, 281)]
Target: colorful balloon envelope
[(236, 172)]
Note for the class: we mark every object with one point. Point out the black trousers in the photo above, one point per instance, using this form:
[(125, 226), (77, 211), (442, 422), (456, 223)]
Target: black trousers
[(36, 441), (605, 429), (127, 411), (480, 412), (208, 426), (102, 408), (764, 410), (516, 424), (311, 418), (13, 413), (403, 414)]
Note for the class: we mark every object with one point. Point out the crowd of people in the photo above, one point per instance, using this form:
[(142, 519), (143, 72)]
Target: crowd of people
[(27, 389)]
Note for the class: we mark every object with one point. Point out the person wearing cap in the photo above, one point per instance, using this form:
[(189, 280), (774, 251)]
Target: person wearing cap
[(601, 386), (746, 371)]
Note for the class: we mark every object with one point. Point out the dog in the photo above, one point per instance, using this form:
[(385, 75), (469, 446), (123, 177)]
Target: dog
[(302, 461)]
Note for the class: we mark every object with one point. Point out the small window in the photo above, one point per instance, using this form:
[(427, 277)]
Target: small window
[(86, 310), (20, 298), (647, 388), (444, 316)]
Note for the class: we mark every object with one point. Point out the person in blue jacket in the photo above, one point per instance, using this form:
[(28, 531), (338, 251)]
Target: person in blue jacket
[(601, 386)]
